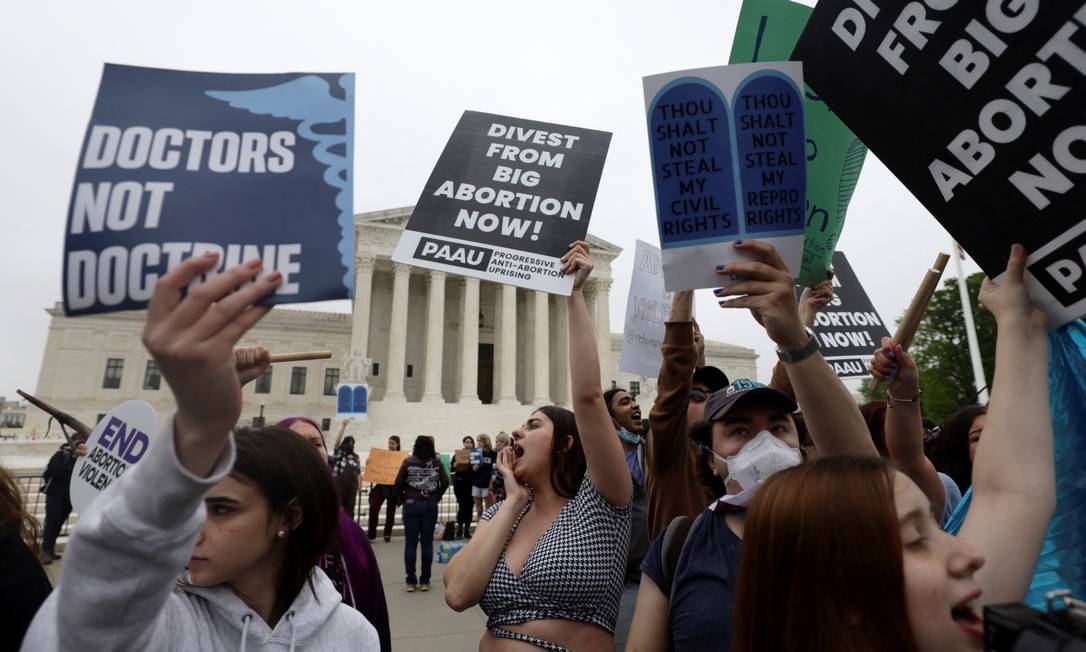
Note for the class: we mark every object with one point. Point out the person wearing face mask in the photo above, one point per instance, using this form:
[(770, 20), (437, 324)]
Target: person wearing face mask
[(249, 514), (676, 482), (746, 434), (874, 570), (626, 416)]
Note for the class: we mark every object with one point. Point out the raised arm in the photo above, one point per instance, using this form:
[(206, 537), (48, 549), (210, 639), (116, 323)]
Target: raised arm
[(339, 437), (667, 436), (469, 571), (904, 425), (765, 286), (602, 449), (124, 556), (1014, 490)]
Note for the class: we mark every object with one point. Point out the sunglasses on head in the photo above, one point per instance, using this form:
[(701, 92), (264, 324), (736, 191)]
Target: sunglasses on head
[(698, 395)]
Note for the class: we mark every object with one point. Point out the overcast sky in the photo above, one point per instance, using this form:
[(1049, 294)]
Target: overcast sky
[(418, 66)]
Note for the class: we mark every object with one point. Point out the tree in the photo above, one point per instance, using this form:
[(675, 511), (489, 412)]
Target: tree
[(941, 350)]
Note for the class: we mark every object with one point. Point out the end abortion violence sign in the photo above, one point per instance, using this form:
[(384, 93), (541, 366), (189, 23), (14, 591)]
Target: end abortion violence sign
[(729, 162), (505, 200), (119, 441), (176, 164), (977, 108)]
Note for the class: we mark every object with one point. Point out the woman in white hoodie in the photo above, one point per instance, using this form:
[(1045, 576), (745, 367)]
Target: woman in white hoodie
[(248, 520)]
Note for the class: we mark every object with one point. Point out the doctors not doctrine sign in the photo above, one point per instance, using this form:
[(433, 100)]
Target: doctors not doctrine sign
[(177, 164)]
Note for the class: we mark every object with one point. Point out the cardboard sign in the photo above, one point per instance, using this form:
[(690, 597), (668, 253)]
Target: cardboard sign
[(647, 308), (461, 459), (505, 200), (383, 465), (849, 329), (977, 108), (767, 31), (729, 162), (120, 440), (352, 401), (177, 164)]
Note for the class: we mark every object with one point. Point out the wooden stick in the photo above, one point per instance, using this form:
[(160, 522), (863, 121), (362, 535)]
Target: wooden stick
[(302, 355), (919, 305)]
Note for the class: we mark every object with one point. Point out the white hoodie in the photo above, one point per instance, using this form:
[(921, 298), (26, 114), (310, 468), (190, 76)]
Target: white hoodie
[(119, 588)]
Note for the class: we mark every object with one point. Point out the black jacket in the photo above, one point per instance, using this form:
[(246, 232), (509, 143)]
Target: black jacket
[(24, 586)]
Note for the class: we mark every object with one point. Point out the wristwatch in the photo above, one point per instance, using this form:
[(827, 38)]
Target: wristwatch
[(795, 355)]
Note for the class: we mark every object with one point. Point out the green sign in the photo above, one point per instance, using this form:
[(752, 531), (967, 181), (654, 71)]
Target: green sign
[(768, 31)]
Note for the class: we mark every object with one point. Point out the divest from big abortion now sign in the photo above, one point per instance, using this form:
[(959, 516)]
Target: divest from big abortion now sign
[(505, 200), (176, 164), (120, 440)]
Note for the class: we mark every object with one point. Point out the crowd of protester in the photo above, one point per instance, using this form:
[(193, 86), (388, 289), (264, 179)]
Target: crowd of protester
[(737, 516)]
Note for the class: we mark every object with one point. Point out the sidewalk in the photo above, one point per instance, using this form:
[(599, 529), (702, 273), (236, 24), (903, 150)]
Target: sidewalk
[(420, 622)]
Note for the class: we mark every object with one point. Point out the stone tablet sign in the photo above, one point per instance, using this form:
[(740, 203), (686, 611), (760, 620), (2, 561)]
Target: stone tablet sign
[(352, 401), (728, 162), (977, 108), (849, 329), (647, 308), (120, 440), (767, 31), (178, 164), (505, 200)]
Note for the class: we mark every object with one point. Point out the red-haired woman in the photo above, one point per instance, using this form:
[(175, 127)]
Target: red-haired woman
[(874, 570)]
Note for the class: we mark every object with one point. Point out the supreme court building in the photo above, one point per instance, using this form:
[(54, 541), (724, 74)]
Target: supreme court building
[(444, 355)]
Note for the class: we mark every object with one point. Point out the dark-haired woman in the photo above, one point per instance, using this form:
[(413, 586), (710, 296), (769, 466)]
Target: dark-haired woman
[(547, 563), (24, 586), (884, 574), (249, 515), (462, 489), (421, 482), (956, 445)]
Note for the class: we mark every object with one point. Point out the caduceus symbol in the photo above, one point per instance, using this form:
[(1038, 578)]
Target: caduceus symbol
[(309, 99)]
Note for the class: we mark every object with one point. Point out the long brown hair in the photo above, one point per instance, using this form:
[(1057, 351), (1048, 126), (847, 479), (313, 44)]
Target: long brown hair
[(13, 513), (822, 562), (568, 464)]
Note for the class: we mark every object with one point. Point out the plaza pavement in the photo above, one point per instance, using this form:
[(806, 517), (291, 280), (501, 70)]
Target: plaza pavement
[(420, 622)]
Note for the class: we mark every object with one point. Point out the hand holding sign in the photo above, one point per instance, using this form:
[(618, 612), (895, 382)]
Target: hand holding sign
[(813, 300), (1009, 301), (578, 261), (892, 364), (192, 339), (765, 287)]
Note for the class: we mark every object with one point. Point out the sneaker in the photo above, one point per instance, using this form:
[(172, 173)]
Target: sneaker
[(424, 587), (410, 588), (387, 539)]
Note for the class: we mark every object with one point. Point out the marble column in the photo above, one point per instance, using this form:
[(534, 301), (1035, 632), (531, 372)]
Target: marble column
[(363, 291), (469, 340), (397, 334), (541, 347), (603, 330), (507, 336), (435, 336), (561, 358)]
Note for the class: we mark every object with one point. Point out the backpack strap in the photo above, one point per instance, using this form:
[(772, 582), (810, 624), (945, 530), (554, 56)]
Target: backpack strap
[(672, 546)]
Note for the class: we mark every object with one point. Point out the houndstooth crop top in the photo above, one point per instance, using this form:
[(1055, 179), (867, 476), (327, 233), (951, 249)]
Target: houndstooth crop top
[(575, 572)]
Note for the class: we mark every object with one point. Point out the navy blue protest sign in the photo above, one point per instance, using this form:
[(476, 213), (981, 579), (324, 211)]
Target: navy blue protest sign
[(176, 164), (505, 200), (977, 108), (728, 162)]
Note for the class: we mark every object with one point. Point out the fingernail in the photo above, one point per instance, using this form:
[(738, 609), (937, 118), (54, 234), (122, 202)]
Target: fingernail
[(720, 268), (718, 291), (211, 254), (893, 353), (274, 277), (738, 242), (255, 263)]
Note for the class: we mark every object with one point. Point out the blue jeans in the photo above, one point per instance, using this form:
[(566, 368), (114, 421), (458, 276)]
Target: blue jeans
[(419, 520)]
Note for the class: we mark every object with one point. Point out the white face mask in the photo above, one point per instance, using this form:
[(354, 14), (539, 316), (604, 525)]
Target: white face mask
[(758, 459)]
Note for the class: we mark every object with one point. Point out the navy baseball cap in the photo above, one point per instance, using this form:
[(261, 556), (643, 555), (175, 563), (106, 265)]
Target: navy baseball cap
[(711, 377), (725, 399)]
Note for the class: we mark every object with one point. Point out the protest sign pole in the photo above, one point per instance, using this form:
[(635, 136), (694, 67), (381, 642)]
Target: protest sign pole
[(63, 418), (970, 328), (911, 321), (301, 355)]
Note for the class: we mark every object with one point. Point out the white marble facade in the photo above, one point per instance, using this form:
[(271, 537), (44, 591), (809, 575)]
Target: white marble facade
[(443, 354)]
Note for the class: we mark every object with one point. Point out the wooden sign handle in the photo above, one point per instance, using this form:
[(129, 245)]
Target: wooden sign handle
[(917, 307), (301, 355)]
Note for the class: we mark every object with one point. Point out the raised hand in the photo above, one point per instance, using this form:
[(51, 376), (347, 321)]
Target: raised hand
[(1009, 301), (192, 337), (893, 365), (250, 362), (767, 290), (813, 300), (578, 260)]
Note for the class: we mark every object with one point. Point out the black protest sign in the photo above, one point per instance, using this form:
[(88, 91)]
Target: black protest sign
[(848, 329), (505, 200), (977, 108)]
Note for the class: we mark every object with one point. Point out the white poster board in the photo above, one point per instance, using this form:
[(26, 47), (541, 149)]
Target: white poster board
[(120, 440), (647, 308)]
